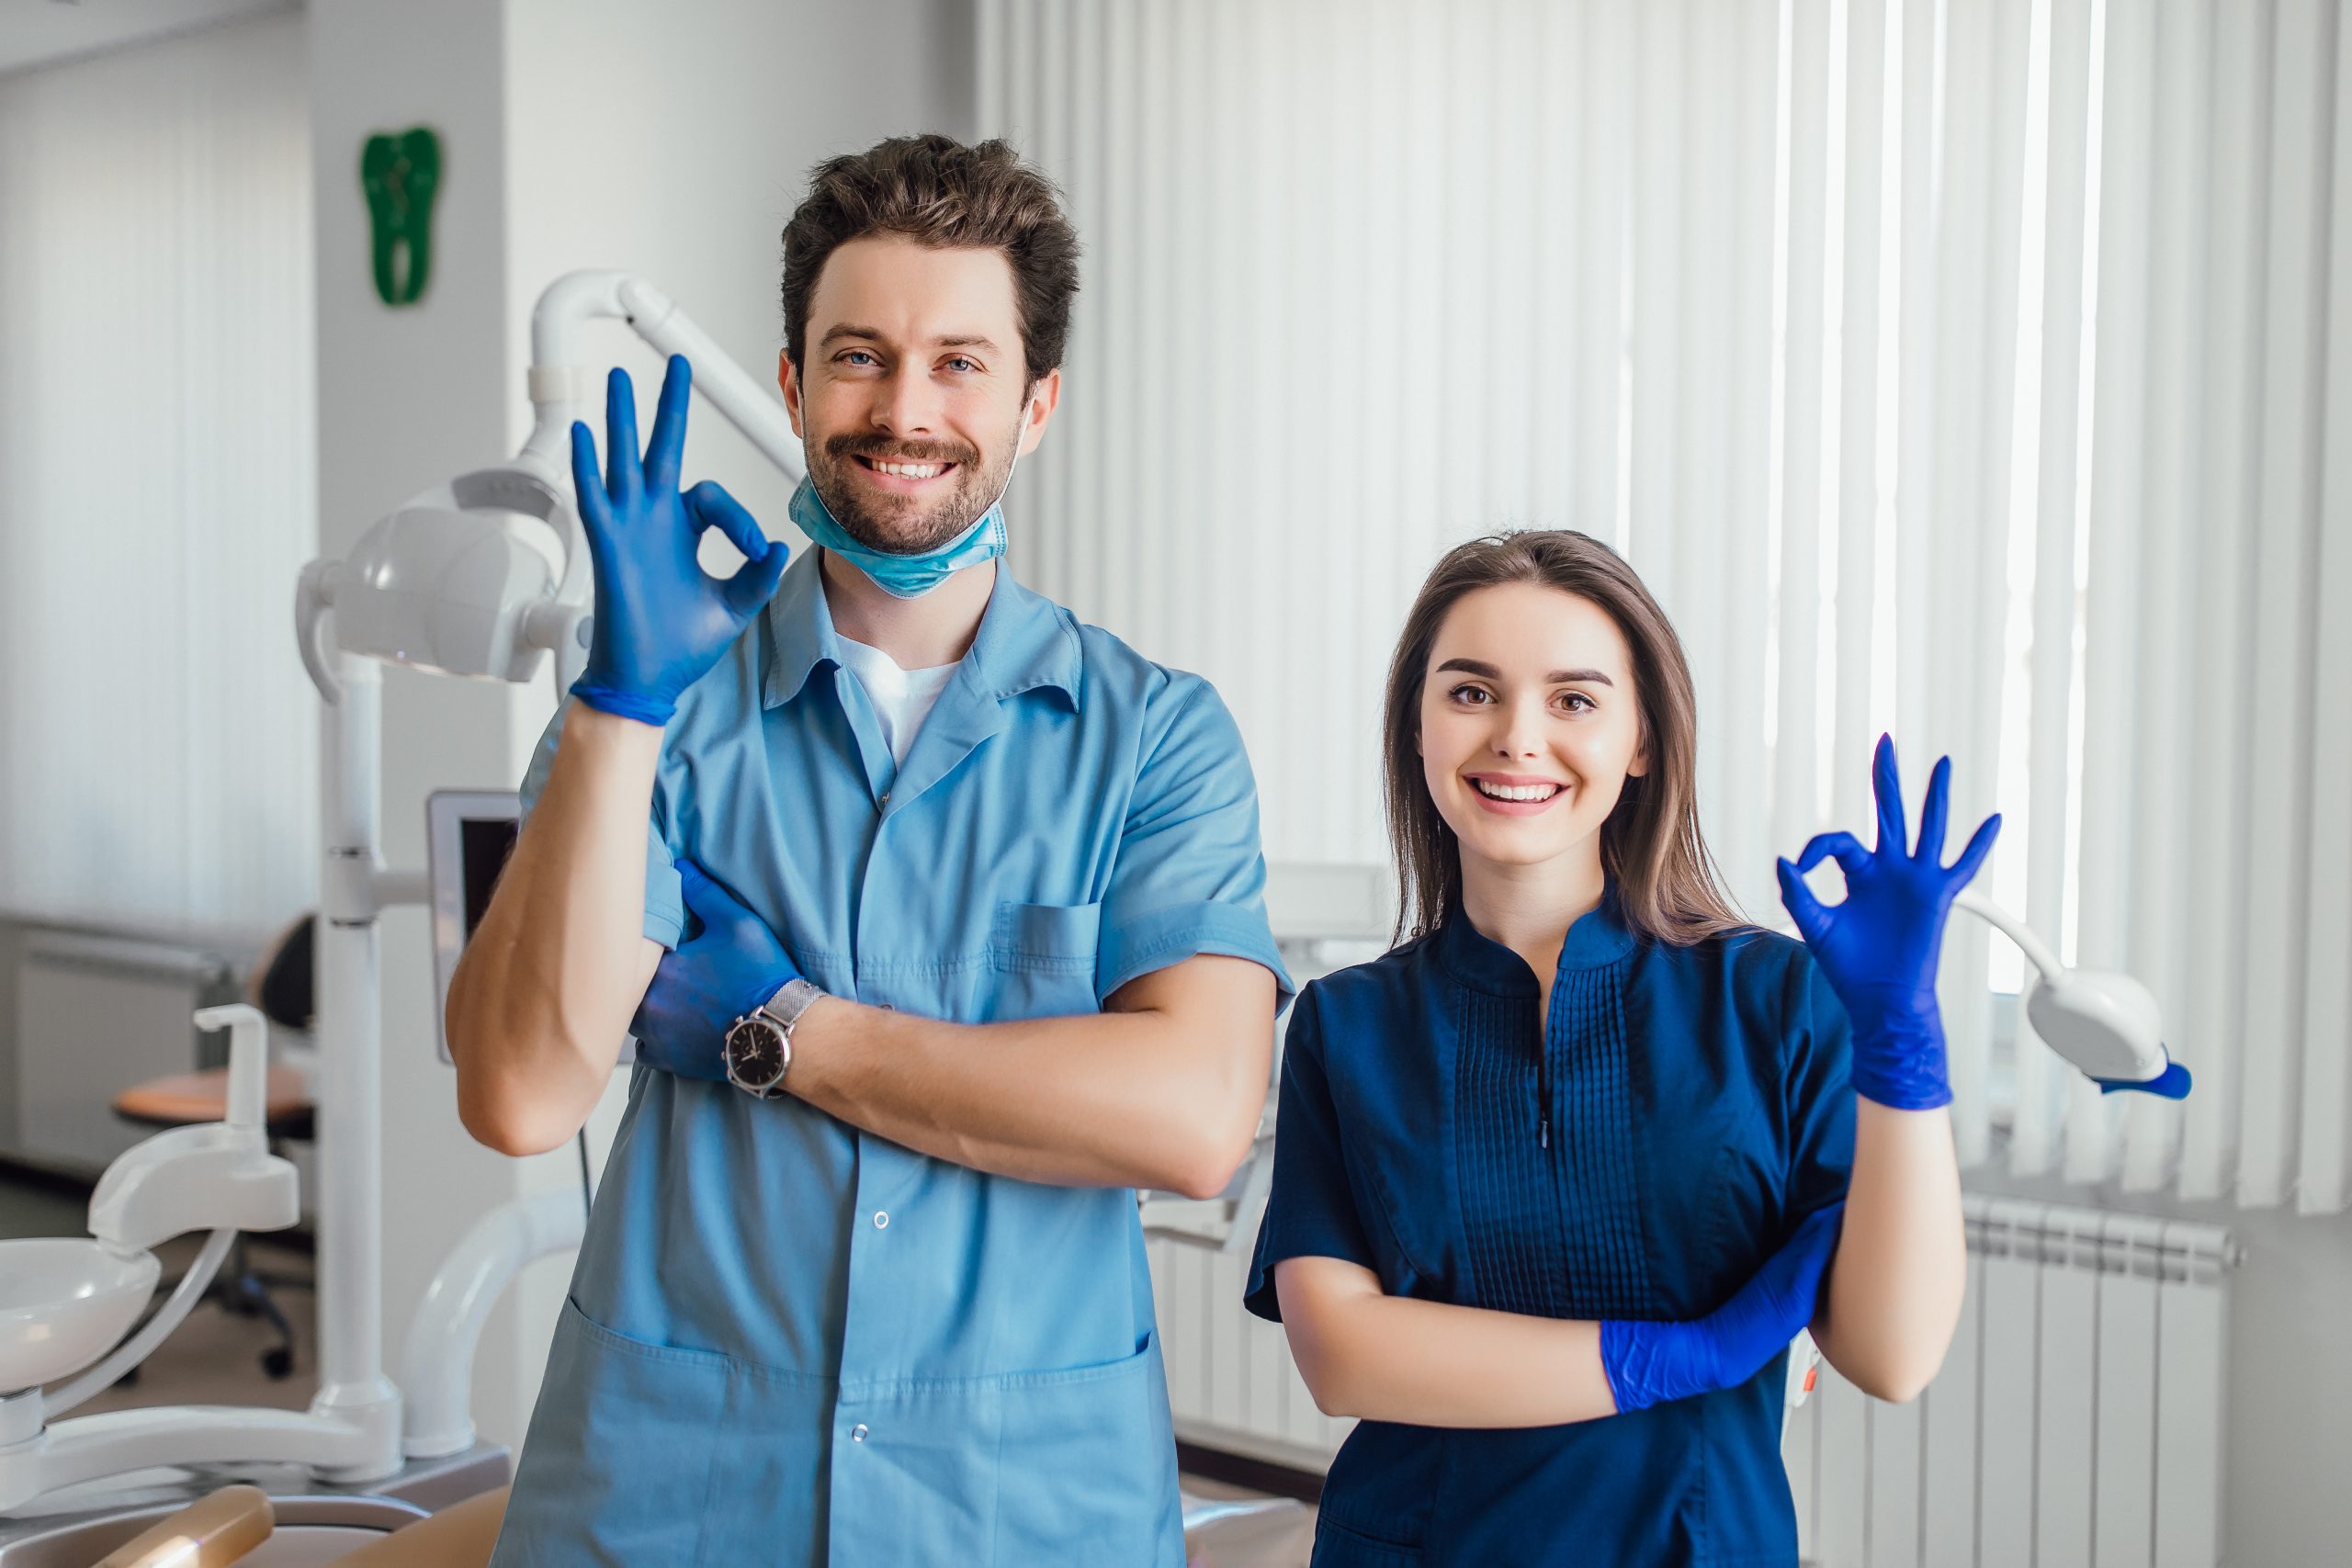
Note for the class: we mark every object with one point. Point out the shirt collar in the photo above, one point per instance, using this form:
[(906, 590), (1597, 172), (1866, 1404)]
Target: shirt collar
[(1599, 937), (1025, 640)]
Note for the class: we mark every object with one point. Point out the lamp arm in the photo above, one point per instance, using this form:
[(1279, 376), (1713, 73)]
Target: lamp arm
[(2017, 930), (313, 600), (561, 389)]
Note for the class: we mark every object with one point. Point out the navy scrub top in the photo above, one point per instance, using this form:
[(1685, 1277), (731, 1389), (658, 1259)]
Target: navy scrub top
[(1636, 1155)]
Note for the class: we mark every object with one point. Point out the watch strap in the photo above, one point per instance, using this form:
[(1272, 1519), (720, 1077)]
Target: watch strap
[(794, 999)]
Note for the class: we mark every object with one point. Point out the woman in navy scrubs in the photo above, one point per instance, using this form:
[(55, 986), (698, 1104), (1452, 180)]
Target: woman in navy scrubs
[(1585, 1103)]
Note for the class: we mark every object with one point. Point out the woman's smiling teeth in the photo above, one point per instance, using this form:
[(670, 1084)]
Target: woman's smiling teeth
[(1516, 791)]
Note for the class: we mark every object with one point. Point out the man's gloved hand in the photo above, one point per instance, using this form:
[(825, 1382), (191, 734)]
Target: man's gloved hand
[(1649, 1363), (660, 620), (1878, 948), (731, 964)]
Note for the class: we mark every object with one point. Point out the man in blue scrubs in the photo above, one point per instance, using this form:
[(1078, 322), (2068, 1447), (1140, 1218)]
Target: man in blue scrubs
[(864, 1283)]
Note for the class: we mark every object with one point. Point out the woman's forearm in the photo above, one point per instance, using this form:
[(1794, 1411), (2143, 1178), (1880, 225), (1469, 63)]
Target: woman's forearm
[(1385, 1358), (1902, 1265)]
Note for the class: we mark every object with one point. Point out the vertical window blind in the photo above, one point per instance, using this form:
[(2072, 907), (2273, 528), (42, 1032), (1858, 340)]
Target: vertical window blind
[(1971, 371), (159, 767)]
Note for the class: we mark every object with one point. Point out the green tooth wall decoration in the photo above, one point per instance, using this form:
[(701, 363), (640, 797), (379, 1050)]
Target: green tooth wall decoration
[(400, 173)]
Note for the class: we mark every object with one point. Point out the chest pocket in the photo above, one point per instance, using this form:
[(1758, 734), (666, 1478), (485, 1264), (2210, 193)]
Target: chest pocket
[(1041, 959)]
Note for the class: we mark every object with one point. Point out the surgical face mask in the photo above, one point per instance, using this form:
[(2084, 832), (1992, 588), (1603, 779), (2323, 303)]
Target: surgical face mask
[(912, 576)]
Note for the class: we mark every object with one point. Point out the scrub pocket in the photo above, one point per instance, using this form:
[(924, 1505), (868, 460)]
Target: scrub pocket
[(1087, 1468), (1381, 1497), (1337, 1546), (618, 1465), (1042, 958)]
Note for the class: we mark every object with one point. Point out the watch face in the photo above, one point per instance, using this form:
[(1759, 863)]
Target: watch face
[(755, 1052)]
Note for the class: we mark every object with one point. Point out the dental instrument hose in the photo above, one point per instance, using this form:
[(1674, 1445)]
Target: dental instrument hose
[(158, 1328)]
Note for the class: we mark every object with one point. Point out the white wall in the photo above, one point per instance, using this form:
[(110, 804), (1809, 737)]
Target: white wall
[(573, 135), (2290, 1392), (677, 151)]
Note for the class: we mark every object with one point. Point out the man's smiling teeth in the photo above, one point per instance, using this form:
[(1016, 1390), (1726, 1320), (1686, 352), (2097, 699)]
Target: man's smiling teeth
[(909, 470), (1516, 791)]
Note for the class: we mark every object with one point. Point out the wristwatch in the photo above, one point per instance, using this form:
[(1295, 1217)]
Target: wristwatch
[(759, 1045)]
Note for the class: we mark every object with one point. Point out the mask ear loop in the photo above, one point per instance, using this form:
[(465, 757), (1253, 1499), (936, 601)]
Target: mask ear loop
[(1020, 430)]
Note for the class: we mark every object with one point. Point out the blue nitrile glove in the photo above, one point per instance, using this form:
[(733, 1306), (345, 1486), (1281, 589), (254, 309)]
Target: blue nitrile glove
[(1649, 1363), (731, 964), (660, 620), (1878, 948)]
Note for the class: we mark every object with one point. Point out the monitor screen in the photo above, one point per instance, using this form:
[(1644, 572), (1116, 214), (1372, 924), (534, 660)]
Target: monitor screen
[(468, 836), (483, 844)]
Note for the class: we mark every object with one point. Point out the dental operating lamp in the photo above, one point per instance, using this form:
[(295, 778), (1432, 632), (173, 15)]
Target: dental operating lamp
[(2102, 1021), (450, 583), (458, 581)]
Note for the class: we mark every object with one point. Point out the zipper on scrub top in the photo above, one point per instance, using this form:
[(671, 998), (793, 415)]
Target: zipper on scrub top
[(1543, 1087)]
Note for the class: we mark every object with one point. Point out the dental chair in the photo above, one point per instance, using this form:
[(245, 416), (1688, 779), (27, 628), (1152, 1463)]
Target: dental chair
[(281, 985), (243, 1525), (187, 1100)]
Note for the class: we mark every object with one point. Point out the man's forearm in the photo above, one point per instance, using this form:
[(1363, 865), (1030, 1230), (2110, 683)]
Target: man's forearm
[(1894, 1295), (1164, 1091), (541, 999)]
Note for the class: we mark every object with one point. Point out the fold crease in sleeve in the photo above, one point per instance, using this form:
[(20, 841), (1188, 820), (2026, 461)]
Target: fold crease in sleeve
[(1820, 1096), (665, 904), (1177, 931), (1190, 878), (1311, 1210)]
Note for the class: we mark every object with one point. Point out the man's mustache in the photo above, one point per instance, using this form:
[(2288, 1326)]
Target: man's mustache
[(883, 449)]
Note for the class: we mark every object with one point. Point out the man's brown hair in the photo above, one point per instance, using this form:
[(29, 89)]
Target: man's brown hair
[(937, 191)]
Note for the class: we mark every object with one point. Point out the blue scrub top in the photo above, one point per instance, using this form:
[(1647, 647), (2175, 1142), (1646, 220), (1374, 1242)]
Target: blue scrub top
[(789, 1341), (1636, 1155)]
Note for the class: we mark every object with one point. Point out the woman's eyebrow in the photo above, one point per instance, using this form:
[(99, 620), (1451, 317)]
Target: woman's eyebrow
[(1487, 671)]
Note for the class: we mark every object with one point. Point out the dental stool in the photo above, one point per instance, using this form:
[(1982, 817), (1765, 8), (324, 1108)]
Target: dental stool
[(182, 1100)]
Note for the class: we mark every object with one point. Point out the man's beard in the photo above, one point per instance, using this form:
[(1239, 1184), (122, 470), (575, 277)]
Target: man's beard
[(901, 527)]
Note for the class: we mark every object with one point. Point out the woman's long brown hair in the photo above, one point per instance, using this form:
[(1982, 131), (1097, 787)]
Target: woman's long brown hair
[(1668, 884)]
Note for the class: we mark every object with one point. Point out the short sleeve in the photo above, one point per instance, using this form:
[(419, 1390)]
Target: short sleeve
[(1311, 1208), (1190, 877), (1817, 1081), (665, 910)]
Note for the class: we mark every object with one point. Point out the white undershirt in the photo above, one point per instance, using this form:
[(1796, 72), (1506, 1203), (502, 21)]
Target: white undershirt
[(902, 699)]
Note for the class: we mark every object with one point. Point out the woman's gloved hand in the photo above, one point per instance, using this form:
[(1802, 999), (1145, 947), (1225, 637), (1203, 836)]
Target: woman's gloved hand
[(1649, 1363), (660, 620), (731, 964), (1878, 948)]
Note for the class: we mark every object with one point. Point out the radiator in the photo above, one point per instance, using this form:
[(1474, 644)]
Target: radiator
[(93, 1015), (1231, 1384), (2076, 1424)]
